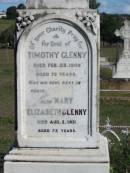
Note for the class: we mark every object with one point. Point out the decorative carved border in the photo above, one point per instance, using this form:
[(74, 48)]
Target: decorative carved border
[(22, 22), (89, 20)]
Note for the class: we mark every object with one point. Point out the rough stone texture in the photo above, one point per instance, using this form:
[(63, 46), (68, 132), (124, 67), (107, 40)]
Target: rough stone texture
[(122, 69), (40, 4)]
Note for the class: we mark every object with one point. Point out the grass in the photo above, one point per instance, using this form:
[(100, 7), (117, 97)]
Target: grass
[(6, 99), (105, 73), (118, 95), (6, 57), (4, 24), (115, 85), (113, 106), (109, 52)]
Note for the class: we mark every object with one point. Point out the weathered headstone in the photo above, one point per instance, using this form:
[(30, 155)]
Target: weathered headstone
[(57, 90), (123, 65)]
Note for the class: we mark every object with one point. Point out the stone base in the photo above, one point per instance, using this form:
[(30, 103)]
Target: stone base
[(121, 75), (58, 160), (122, 70), (30, 167)]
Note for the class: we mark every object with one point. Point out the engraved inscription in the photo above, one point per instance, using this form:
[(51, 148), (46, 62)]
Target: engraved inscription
[(56, 86)]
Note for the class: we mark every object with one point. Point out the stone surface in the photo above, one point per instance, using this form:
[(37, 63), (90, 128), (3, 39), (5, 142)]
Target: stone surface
[(26, 167), (122, 69), (69, 160), (44, 4), (57, 66)]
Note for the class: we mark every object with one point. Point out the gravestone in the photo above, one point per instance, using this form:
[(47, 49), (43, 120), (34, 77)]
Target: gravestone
[(122, 70), (57, 90)]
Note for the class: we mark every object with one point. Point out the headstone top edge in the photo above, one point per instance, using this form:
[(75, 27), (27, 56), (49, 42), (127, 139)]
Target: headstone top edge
[(47, 4)]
